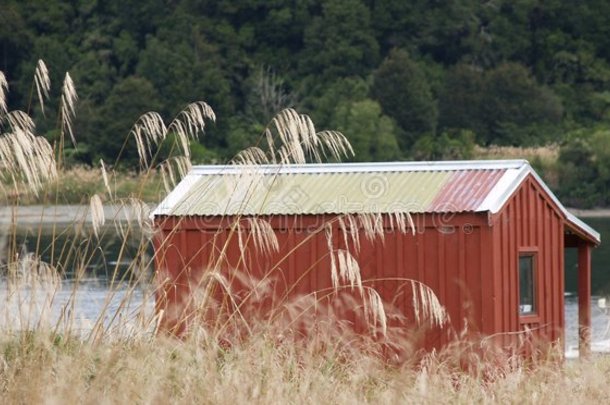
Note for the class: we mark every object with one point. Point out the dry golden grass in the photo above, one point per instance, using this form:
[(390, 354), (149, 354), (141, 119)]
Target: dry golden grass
[(546, 154), (543, 158), (41, 368)]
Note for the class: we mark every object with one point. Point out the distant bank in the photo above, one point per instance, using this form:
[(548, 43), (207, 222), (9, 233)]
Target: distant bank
[(34, 216), (594, 213)]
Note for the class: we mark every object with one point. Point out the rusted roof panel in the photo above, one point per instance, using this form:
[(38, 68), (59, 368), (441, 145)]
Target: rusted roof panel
[(466, 190)]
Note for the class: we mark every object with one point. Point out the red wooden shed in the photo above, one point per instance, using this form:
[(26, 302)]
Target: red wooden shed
[(489, 239)]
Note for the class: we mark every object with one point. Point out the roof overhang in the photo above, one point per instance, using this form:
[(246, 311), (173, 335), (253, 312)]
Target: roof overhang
[(510, 182)]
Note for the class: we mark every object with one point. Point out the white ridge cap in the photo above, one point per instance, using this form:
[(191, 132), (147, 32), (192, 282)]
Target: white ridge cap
[(361, 167)]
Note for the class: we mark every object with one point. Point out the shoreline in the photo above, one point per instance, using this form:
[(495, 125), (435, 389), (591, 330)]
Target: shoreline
[(29, 215), (44, 216), (591, 213)]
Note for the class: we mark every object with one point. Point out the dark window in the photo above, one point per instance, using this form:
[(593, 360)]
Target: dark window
[(527, 284)]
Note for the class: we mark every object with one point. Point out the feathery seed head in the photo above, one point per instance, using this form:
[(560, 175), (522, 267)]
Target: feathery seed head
[(3, 92), (148, 131), (20, 120), (97, 213), (68, 103), (42, 82), (105, 178)]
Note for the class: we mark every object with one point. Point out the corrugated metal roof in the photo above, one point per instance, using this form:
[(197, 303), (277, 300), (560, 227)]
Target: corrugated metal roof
[(414, 187), (268, 192)]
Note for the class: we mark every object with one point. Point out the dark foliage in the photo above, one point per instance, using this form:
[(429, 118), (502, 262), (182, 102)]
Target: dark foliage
[(407, 78)]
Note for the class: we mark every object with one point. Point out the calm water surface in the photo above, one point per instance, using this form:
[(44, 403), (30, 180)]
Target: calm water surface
[(78, 308)]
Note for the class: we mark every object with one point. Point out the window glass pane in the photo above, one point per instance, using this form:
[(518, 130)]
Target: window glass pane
[(526, 284)]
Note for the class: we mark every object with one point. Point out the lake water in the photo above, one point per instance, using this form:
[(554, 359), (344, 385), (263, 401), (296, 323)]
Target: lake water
[(77, 308), (92, 301), (108, 290)]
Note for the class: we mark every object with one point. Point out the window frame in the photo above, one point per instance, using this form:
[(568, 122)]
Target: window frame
[(534, 315)]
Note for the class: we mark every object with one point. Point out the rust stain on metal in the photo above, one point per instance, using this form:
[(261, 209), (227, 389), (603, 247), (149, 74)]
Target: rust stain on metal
[(465, 190)]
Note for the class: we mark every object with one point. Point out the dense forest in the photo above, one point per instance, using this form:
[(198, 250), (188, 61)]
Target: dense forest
[(402, 79)]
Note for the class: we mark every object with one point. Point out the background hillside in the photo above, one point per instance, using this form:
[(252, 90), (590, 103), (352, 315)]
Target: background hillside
[(402, 79)]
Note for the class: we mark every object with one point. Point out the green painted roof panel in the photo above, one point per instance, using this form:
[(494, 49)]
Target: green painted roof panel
[(251, 193)]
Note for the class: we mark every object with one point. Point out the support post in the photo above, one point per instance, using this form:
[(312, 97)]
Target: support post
[(584, 299)]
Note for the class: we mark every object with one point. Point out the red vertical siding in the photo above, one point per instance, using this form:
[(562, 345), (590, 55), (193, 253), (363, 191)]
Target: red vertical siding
[(487, 276), (447, 259), (530, 221), (449, 279)]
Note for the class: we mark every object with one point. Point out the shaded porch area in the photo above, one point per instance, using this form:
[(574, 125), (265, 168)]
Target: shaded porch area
[(583, 247)]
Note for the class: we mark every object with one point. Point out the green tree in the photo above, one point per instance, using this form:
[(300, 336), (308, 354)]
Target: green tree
[(15, 41), (339, 92), (584, 168), (449, 145), (372, 134), (340, 42), (503, 106), (461, 100), (111, 123), (185, 73), (513, 102), (178, 75), (402, 89), (94, 77)]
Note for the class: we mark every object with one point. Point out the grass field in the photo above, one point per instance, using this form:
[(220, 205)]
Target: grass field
[(42, 368)]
